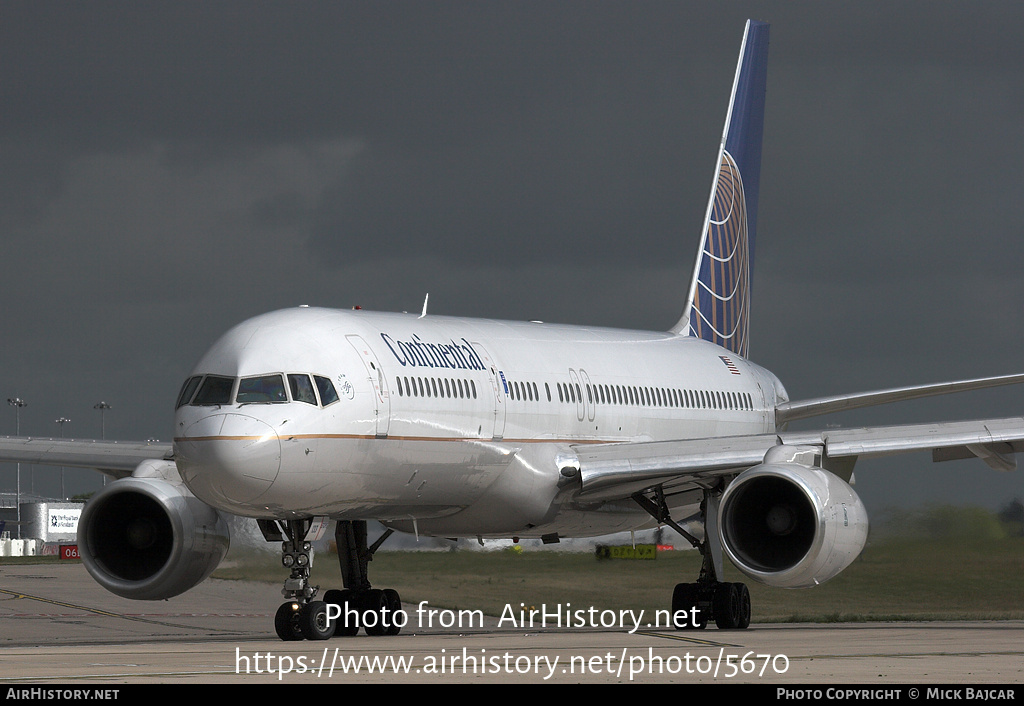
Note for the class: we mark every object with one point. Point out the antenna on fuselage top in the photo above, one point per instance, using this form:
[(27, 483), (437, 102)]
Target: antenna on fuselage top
[(425, 300)]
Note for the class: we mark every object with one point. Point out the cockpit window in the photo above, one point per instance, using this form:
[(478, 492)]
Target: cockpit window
[(328, 395), (214, 390), (264, 388), (187, 390), (302, 389)]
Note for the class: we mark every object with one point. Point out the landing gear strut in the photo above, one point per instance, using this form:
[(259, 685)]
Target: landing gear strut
[(694, 604), (341, 612), (378, 612), (300, 616)]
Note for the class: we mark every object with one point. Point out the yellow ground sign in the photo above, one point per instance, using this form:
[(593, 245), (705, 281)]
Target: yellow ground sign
[(627, 551)]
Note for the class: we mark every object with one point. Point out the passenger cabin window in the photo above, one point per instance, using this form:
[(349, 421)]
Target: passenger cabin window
[(263, 388), (302, 389), (214, 390), (328, 395)]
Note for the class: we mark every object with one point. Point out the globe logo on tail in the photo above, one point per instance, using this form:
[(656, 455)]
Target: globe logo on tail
[(721, 300)]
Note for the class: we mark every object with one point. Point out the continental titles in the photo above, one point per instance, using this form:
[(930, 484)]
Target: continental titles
[(419, 353)]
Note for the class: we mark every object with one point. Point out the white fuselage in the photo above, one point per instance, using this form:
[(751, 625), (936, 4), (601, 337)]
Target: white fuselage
[(442, 425)]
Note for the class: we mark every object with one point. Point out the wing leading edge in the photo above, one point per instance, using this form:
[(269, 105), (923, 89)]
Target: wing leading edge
[(113, 458), (802, 409), (618, 471)]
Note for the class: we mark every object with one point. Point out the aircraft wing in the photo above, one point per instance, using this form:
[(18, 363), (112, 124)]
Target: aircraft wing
[(616, 471), (802, 409), (113, 458)]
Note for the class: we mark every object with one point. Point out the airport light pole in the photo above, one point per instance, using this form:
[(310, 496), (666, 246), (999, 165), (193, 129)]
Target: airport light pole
[(18, 403), (62, 421), (102, 407)]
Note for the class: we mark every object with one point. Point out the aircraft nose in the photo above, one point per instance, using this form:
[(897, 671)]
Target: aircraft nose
[(231, 458)]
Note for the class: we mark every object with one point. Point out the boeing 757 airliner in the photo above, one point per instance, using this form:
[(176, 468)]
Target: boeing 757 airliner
[(455, 427)]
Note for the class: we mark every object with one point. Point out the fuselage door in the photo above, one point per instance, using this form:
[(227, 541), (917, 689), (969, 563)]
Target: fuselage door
[(375, 377), (761, 403), (590, 391), (577, 393), (497, 386)]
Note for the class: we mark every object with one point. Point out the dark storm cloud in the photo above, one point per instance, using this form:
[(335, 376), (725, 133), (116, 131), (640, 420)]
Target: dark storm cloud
[(171, 168), (250, 70), (524, 121)]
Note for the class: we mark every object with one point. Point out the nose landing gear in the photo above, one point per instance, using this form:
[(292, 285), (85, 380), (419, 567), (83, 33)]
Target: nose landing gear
[(301, 616)]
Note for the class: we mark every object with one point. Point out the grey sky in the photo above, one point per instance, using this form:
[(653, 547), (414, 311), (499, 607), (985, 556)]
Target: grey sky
[(172, 168)]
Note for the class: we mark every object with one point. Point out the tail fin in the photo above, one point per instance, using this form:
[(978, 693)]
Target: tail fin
[(718, 306)]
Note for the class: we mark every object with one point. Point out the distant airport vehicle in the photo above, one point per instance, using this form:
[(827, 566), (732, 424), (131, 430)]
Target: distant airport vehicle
[(455, 427)]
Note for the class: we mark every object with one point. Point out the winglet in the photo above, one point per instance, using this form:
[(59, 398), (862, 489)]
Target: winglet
[(718, 305)]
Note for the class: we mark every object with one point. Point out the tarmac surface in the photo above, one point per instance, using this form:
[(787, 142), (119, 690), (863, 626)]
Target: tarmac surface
[(57, 626)]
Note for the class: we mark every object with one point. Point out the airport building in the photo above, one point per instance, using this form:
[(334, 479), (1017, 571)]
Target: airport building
[(45, 525)]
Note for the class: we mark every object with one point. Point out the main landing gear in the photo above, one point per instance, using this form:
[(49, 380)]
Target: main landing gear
[(378, 612), (694, 604), (341, 612)]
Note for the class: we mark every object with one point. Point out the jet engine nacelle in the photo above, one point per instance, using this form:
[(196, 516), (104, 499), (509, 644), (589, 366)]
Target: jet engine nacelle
[(150, 539), (790, 524)]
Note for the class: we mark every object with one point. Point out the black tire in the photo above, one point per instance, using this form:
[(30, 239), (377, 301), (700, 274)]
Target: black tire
[(394, 605), (287, 621), (314, 622), (726, 606), (346, 625), (684, 599), (373, 601), (744, 598)]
